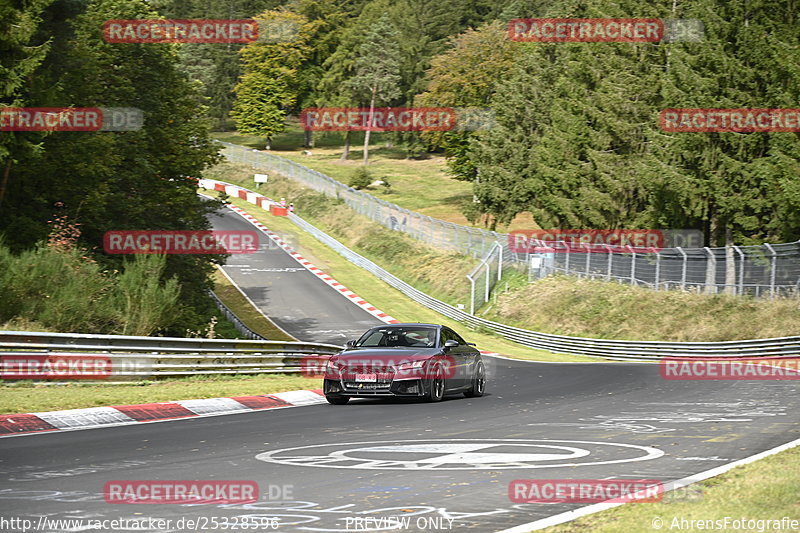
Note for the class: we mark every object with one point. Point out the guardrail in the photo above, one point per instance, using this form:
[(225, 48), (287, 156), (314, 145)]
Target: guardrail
[(240, 326), (130, 356), (607, 348)]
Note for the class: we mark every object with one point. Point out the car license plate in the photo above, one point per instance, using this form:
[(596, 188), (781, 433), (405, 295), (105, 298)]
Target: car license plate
[(366, 378)]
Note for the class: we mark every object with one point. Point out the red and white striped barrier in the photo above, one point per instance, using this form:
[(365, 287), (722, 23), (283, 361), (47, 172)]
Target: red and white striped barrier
[(121, 415)]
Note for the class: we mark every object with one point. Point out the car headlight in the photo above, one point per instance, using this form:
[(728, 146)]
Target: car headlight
[(410, 365), (332, 365)]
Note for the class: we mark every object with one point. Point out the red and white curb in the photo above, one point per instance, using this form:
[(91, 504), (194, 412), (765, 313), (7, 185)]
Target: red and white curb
[(262, 201), (121, 415)]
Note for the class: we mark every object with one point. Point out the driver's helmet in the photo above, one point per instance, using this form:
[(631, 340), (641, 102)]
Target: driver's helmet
[(396, 338)]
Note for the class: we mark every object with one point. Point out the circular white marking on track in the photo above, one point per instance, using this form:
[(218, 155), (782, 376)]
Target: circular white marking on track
[(460, 454)]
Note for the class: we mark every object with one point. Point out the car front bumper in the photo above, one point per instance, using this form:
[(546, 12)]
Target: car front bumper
[(409, 388)]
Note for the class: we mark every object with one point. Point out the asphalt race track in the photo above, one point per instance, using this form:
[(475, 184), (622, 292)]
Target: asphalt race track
[(295, 299), (432, 462)]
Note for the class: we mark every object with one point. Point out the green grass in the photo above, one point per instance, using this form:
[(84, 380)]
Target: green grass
[(559, 305), (421, 185), (244, 310), (28, 398), (386, 298), (764, 490), (594, 308)]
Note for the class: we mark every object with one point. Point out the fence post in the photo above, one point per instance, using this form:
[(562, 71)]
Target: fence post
[(500, 262), (471, 295), (588, 253), (658, 267), (741, 269), (683, 267), (610, 259), (633, 265), (488, 277), (711, 271), (773, 264)]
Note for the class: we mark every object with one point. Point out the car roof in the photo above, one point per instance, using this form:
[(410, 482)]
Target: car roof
[(409, 324)]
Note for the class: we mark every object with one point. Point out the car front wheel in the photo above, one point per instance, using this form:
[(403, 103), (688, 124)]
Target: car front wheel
[(436, 385)]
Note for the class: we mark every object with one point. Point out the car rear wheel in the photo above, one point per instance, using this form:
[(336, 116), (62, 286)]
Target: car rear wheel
[(337, 400), (478, 382), (436, 385)]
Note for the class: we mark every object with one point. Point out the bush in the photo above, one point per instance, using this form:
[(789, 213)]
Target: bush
[(61, 289), (361, 178)]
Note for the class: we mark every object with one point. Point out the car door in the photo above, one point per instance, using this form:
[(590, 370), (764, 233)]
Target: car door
[(471, 357), (459, 357)]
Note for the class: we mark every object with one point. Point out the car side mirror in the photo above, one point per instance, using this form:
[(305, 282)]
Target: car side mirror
[(450, 344), (350, 344)]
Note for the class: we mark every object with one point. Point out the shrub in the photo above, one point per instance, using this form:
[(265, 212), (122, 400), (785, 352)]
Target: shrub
[(360, 179)]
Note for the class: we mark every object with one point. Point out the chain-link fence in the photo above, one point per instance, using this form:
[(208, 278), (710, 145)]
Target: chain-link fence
[(443, 235), (765, 270), (484, 277)]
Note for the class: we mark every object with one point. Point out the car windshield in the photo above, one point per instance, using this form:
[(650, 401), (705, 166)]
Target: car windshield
[(399, 337)]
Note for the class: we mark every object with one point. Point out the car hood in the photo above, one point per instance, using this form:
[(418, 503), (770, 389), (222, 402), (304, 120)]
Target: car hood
[(393, 355)]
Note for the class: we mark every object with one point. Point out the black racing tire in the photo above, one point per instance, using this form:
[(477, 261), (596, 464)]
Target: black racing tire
[(436, 385), (478, 382), (337, 400)]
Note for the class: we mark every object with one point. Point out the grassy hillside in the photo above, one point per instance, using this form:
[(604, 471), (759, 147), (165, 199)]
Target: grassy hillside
[(593, 308), (559, 305), (420, 184), (440, 274)]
